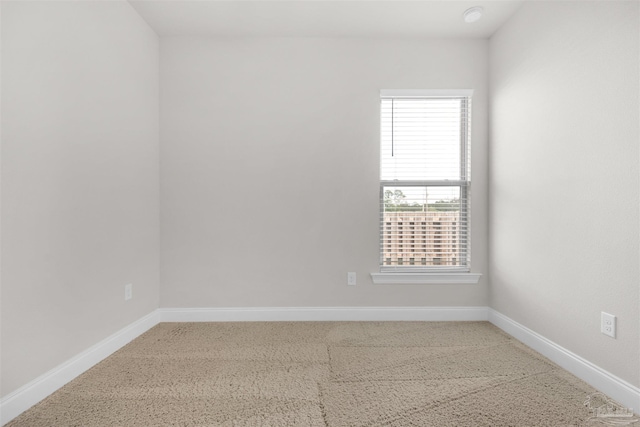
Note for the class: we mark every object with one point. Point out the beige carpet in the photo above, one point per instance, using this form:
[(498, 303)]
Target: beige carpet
[(319, 374)]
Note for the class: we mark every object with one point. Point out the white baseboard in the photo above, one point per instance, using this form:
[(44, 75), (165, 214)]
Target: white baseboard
[(20, 400), (263, 314), (28, 395), (616, 388)]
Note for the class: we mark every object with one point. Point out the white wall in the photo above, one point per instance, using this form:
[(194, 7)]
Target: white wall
[(564, 176), (269, 167), (79, 179)]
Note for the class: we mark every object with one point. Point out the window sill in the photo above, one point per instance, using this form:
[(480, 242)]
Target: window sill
[(425, 278)]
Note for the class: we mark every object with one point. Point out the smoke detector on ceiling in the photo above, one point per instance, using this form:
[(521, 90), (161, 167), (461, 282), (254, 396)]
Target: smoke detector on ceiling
[(472, 14)]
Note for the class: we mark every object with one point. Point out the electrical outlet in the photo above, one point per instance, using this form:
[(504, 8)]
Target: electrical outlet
[(608, 324), (351, 278), (128, 291)]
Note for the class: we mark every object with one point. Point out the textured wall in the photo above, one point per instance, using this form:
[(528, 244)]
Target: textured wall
[(270, 167), (79, 179), (564, 176)]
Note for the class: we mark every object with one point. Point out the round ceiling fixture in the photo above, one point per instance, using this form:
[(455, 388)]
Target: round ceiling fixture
[(472, 14)]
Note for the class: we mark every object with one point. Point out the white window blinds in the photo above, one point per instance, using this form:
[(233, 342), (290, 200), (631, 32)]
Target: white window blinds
[(425, 180)]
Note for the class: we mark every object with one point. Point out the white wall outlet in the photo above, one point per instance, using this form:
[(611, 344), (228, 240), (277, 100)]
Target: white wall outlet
[(608, 324), (351, 278), (128, 291)]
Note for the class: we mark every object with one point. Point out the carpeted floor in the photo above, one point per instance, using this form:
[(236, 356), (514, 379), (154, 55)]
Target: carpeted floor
[(337, 374)]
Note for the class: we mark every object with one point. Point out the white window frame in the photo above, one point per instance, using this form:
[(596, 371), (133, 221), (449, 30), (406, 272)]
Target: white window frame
[(431, 275)]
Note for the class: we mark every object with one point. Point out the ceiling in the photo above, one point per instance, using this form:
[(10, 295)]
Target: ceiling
[(323, 18)]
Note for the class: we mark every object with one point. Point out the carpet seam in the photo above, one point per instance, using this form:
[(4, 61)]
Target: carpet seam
[(417, 410)]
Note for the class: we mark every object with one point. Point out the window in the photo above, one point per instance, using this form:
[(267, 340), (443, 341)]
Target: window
[(425, 179)]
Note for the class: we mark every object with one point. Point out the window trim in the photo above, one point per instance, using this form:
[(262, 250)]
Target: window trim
[(438, 275), (422, 93), (425, 278)]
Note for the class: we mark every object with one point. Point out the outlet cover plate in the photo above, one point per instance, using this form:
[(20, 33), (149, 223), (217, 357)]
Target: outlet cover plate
[(608, 324), (351, 278)]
